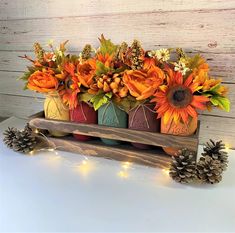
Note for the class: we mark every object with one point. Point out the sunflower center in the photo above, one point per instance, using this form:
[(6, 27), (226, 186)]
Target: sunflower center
[(179, 96)]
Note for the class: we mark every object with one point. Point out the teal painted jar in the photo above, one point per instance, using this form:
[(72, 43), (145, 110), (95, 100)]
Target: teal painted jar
[(111, 115)]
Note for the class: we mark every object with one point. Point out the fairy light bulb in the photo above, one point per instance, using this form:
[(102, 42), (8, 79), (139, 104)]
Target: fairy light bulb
[(84, 162), (36, 131), (123, 174), (31, 152), (227, 147), (165, 171), (126, 165)]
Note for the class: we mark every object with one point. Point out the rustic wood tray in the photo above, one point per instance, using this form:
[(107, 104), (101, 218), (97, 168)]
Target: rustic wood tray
[(155, 157)]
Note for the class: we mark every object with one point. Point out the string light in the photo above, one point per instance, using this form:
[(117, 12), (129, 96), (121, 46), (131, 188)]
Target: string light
[(84, 162), (36, 131), (126, 165), (31, 152), (165, 171), (123, 174), (227, 147), (85, 167)]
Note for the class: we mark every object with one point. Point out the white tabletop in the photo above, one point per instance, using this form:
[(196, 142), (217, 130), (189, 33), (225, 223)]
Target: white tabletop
[(58, 191)]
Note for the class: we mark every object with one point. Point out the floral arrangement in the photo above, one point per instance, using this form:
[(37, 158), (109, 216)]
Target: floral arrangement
[(128, 76)]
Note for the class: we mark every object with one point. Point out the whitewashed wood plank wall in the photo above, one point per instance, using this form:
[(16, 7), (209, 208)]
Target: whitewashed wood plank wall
[(205, 26)]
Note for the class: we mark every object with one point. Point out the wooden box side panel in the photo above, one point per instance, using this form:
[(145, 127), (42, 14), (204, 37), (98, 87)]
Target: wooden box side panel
[(128, 135), (152, 158)]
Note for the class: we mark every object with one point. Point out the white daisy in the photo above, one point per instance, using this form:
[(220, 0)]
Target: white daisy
[(181, 67), (162, 54)]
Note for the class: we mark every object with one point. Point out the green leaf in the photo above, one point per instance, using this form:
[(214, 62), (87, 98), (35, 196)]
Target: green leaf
[(101, 68), (100, 99), (221, 102), (85, 97), (107, 46), (194, 61), (109, 95), (128, 103), (25, 86), (26, 76)]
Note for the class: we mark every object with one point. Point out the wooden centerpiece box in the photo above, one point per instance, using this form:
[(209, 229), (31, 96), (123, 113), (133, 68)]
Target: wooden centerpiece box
[(155, 157)]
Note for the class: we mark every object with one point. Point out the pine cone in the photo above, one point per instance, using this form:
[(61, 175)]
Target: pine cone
[(183, 166), (180, 52), (122, 51), (9, 134), (23, 142), (86, 52), (209, 170), (28, 128), (215, 151), (39, 51), (137, 54)]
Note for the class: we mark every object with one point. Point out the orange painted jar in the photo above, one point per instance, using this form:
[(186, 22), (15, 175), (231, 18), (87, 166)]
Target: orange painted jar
[(178, 129)]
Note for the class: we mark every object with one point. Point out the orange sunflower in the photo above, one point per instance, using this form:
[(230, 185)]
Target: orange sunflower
[(177, 100)]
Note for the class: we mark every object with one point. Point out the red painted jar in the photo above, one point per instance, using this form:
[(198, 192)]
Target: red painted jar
[(143, 118), (83, 113)]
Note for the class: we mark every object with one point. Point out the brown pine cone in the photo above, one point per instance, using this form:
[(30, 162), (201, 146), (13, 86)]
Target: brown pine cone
[(209, 170), (183, 166)]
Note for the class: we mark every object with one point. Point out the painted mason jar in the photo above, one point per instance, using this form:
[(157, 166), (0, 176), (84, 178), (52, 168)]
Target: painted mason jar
[(178, 129), (143, 118), (83, 113), (111, 115), (56, 110)]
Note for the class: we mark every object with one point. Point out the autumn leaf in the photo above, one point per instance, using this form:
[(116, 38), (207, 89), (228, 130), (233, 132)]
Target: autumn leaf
[(107, 47)]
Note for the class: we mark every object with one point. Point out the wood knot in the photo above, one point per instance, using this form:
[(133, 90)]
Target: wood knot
[(212, 44)]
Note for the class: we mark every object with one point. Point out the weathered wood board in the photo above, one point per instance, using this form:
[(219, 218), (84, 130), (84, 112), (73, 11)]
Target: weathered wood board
[(26, 9), (153, 158), (193, 30), (126, 135)]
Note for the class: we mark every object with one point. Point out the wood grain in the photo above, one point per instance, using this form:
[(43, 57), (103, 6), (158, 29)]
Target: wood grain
[(11, 85), (26, 9), (221, 65), (21, 106), (217, 128), (153, 158), (207, 31)]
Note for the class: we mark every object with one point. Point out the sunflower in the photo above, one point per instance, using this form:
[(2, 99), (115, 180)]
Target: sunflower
[(177, 100)]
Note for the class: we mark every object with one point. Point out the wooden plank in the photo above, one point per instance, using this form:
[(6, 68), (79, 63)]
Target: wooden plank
[(25, 9), (127, 135), (12, 86), (3, 118), (211, 30), (221, 65), (217, 128), (126, 153), (20, 106)]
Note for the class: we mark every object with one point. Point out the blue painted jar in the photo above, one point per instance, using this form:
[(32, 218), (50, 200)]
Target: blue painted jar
[(111, 115)]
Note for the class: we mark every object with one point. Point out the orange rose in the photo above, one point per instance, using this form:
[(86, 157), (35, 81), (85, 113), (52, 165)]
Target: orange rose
[(42, 81), (143, 83), (86, 71)]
